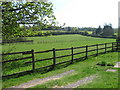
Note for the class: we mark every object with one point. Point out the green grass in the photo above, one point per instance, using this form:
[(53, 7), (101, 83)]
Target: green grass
[(89, 32), (47, 43), (86, 68), (82, 69), (58, 41)]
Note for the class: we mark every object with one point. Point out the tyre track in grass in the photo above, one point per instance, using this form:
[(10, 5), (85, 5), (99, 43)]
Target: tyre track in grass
[(79, 82), (41, 81)]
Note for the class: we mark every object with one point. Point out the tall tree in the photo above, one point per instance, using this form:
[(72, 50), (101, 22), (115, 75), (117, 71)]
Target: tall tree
[(108, 30), (16, 13), (98, 30)]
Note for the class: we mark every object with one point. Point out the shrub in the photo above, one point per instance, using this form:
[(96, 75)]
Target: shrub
[(48, 33)]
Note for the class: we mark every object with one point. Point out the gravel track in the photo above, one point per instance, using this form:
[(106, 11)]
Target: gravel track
[(41, 81), (117, 65), (80, 82)]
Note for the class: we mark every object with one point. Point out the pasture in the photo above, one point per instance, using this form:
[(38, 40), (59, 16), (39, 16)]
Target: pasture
[(58, 41), (47, 43)]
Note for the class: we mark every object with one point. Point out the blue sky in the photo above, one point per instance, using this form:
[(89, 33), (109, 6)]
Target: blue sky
[(86, 13)]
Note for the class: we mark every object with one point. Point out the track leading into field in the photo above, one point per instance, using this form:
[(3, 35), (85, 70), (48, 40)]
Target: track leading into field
[(41, 81)]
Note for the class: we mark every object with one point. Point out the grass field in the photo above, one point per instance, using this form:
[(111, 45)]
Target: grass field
[(58, 41), (82, 69), (90, 32), (86, 67), (47, 43)]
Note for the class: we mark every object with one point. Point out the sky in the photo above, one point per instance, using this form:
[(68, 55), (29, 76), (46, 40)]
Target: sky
[(86, 13)]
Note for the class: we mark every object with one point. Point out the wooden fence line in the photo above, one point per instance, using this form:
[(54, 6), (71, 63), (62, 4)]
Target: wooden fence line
[(32, 52), (29, 52)]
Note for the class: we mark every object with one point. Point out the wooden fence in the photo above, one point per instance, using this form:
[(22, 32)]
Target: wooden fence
[(112, 47)]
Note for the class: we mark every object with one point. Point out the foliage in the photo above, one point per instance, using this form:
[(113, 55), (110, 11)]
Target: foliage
[(105, 32), (85, 33), (98, 30), (108, 30), (15, 14), (103, 63), (69, 28), (30, 32), (87, 29)]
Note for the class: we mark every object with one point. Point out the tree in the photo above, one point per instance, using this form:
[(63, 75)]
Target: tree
[(69, 28), (98, 30), (108, 30), (85, 32), (74, 29), (15, 14)]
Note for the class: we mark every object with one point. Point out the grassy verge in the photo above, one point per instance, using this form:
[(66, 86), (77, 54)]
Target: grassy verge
[(104, 80), (82, 69)]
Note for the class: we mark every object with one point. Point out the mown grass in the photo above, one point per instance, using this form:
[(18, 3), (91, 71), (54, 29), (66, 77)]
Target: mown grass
[(47, 43), (86, 68)]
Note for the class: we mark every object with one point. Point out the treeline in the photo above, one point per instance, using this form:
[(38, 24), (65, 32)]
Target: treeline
[(106, 31), (23, 19), (32, 32), (52, 32), (36, 27)]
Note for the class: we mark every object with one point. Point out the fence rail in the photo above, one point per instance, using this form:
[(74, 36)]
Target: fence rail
[(114, 46)]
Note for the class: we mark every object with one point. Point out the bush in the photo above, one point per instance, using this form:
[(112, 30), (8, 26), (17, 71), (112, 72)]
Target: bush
[(48, 33), (104, 63), (13, 39)]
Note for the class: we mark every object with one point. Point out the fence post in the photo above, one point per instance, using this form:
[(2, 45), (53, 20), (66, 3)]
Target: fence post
[(105, 47), (97, 50), (54, 58), (33, 60), (72, 54), (86, 51)]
